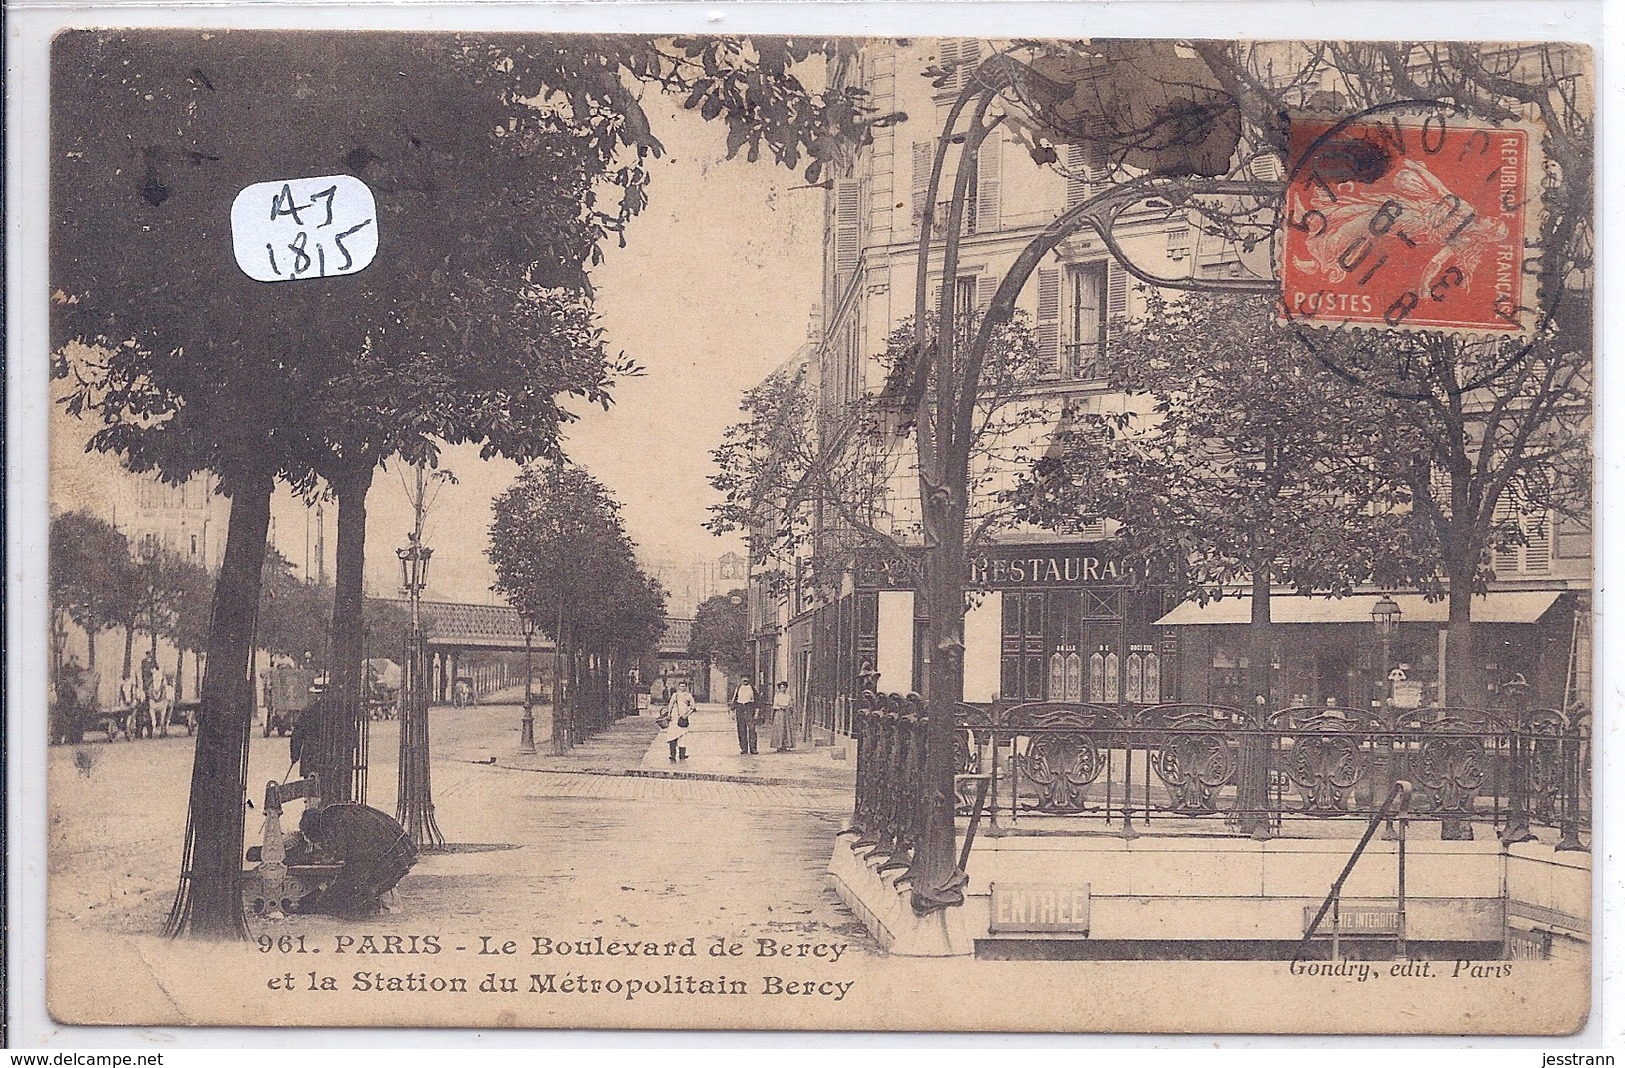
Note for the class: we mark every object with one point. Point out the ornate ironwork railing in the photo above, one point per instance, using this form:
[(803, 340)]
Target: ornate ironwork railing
[(1229, 769)]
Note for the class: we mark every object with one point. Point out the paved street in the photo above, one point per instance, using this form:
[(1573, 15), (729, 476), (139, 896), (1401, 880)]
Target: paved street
[(573, 843)]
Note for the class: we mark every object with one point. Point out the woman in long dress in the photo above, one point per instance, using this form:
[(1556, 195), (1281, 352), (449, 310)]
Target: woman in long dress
[(784, 715)]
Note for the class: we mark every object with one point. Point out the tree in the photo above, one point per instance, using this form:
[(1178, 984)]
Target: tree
[(564, 561), (719, 632), (194, 595), (161, 580), (158, 132), (823, 484), (87, 557), (1480, 430), (1231, 462), (294, 613)]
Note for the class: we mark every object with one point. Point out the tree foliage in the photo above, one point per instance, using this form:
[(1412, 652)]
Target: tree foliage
[(1229, 456), (294, 614), (560, 549), (720, 632), (822, 483), (564, 560), (88, 569)]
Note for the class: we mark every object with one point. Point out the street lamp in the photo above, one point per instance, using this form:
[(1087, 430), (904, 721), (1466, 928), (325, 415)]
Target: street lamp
[(414, 799), (1385, 617), (414, 569), (527, 725)]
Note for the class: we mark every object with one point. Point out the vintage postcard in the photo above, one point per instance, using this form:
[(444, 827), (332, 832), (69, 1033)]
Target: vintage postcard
[(819, 533)]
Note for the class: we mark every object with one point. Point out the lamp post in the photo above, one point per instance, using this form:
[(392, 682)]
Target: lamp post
[(414, 806), (1385, 617), (527, 724)]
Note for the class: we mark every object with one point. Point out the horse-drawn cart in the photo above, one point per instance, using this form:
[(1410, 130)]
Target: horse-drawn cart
[(287, 696), (185, 714)]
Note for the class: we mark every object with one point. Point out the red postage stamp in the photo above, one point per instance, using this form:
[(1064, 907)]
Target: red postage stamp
[(1415, 221)]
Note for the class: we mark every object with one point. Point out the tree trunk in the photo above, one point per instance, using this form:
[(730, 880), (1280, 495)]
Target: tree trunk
[(90, 649), (180, 662), (129, 649), (209, 903), (934, 868), (1463, 675), (1252, 769), (59, 637), (341, 732)]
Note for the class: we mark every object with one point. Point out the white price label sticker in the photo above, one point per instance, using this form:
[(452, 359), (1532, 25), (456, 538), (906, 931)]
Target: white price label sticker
[(304, 228)]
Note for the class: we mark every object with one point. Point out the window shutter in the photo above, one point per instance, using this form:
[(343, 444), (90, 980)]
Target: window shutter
[(1506, 557), (848, 204), (1086, 172), (962, 54), (988, 160), (1049, 322), (1116, 299), (1537, 554), (924, 154), (1266, 168), (986, 286), (1077, 186)]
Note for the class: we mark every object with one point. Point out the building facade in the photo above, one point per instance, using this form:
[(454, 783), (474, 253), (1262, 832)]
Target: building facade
[(1059, 618)]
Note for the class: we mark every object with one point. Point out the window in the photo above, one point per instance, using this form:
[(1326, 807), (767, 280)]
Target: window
[(964, 301), (1179, 243), (963, 55), (854, 361), (1571, 539), (1533, 556), (944, 211), (1086, 171), (1083, 323)]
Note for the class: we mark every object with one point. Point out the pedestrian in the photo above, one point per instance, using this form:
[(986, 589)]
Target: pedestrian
[(73, 699), (744, 704), (678, 714), (129, 696), (304, 739), (784, 715)]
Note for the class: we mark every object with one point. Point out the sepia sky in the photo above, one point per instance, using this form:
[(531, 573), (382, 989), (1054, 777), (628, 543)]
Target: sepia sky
[(711, 292)]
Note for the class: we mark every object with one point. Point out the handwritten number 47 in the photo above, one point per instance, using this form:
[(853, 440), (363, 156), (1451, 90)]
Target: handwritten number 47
[(299, 249)]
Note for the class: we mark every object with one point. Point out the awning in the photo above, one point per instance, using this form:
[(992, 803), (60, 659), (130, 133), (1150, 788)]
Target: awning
[(1508, 606)]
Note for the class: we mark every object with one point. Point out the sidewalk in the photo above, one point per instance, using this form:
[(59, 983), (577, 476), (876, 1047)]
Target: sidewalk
[(633, 746), (495, 740), (713, 752)]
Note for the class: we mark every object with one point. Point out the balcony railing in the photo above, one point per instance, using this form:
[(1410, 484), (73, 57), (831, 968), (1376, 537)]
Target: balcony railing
[(1083, 360), (1211, 769)]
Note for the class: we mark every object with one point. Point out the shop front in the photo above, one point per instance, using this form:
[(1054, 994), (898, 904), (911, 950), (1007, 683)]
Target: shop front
[(1060, 622), (1384, 648)]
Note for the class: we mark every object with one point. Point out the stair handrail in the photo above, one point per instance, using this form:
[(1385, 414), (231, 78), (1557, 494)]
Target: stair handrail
[(1399, 798)]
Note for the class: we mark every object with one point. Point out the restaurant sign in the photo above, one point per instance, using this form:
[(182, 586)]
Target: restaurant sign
[(1031, 908), (1006, 567)]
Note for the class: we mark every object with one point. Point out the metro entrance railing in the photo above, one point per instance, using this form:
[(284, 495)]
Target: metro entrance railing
[(1197, 768)]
